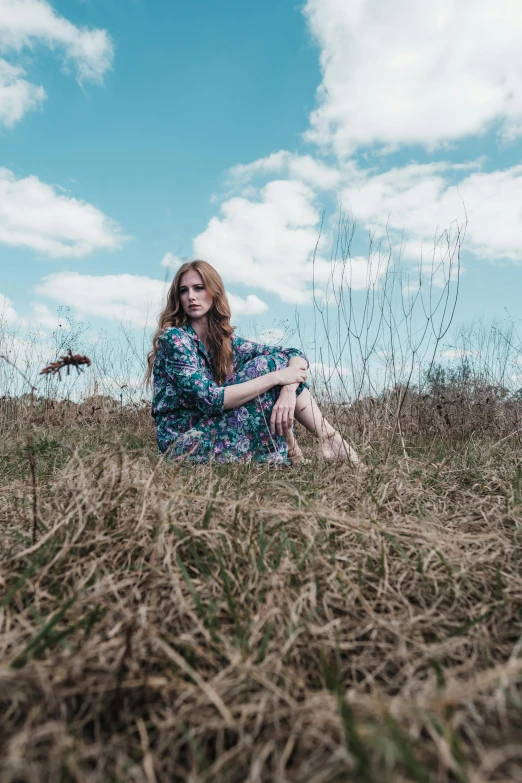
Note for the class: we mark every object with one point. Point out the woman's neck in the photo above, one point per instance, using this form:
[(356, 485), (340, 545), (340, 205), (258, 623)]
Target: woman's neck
[(200, 326)]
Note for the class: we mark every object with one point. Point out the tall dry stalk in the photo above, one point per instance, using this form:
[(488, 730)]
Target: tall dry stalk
[(375, 338), (54, 368), (30, 445)]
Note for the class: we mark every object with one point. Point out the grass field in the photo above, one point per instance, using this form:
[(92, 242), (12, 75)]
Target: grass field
[(240, 623)]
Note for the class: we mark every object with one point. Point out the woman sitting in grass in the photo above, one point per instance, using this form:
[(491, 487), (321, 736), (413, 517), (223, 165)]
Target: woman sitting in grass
[(220, 398)]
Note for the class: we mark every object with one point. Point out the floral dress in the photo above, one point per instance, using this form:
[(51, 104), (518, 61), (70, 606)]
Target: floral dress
[(187, 405)]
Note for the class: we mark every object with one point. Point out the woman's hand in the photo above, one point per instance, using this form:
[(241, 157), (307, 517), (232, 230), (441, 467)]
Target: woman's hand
[(291, 374), (282, 418)]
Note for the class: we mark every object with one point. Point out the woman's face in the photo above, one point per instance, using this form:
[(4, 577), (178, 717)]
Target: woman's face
[(194, 297)]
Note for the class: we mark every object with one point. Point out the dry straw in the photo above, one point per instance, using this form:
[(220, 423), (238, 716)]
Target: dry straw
[(238, 623)]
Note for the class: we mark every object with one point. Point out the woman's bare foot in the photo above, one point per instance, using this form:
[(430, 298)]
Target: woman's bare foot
[(295, 455), (335, 448)]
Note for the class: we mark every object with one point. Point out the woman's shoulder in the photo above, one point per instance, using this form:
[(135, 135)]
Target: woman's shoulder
[(173, 331), (241, 345), (175, 335)]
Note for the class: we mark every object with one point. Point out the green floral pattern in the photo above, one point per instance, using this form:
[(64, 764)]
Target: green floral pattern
[(188, 404)]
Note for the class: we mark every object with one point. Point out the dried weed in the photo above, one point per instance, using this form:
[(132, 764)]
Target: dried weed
[(243, 623)]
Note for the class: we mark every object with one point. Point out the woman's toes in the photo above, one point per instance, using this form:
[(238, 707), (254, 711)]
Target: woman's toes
[(334, 447)]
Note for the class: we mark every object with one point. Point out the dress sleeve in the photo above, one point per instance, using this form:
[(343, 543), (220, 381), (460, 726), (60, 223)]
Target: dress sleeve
[(180, 363), (247, 350)]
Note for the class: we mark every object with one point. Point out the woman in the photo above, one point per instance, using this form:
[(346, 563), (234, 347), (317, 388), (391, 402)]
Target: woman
[(219, 397)]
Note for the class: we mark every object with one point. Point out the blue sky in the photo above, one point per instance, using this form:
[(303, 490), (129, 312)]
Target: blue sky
[(134, 134)]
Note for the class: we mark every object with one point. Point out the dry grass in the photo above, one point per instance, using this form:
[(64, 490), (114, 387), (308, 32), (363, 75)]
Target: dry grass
[(250, 624)]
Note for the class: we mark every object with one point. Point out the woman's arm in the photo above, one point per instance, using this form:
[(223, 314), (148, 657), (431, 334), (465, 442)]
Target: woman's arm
[(295, 361), (282, 418), (239, 393), (247, 350), (178, 356)]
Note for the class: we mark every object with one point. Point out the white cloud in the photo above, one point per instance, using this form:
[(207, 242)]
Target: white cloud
[(17, 95), (268, 337), (33, 214), (8, 314), (411, 288), (268, 239), (423, 200), (300, 167), (416, 72), (132, 299), (22, 352), (320, 371), (46, 319), (170, 261), (41, 317), (314, 172), (455, 353), (252, 305), (270, 165), (267, 243), (358, 273), (26, 23)]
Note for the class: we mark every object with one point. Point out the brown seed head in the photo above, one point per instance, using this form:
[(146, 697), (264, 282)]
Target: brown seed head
[(69, 360)]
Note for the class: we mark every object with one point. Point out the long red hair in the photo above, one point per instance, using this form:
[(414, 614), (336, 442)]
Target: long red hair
[(219, 329)]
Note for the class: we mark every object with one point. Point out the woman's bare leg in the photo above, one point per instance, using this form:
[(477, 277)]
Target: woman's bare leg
[(333, 445), (295, 455)]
